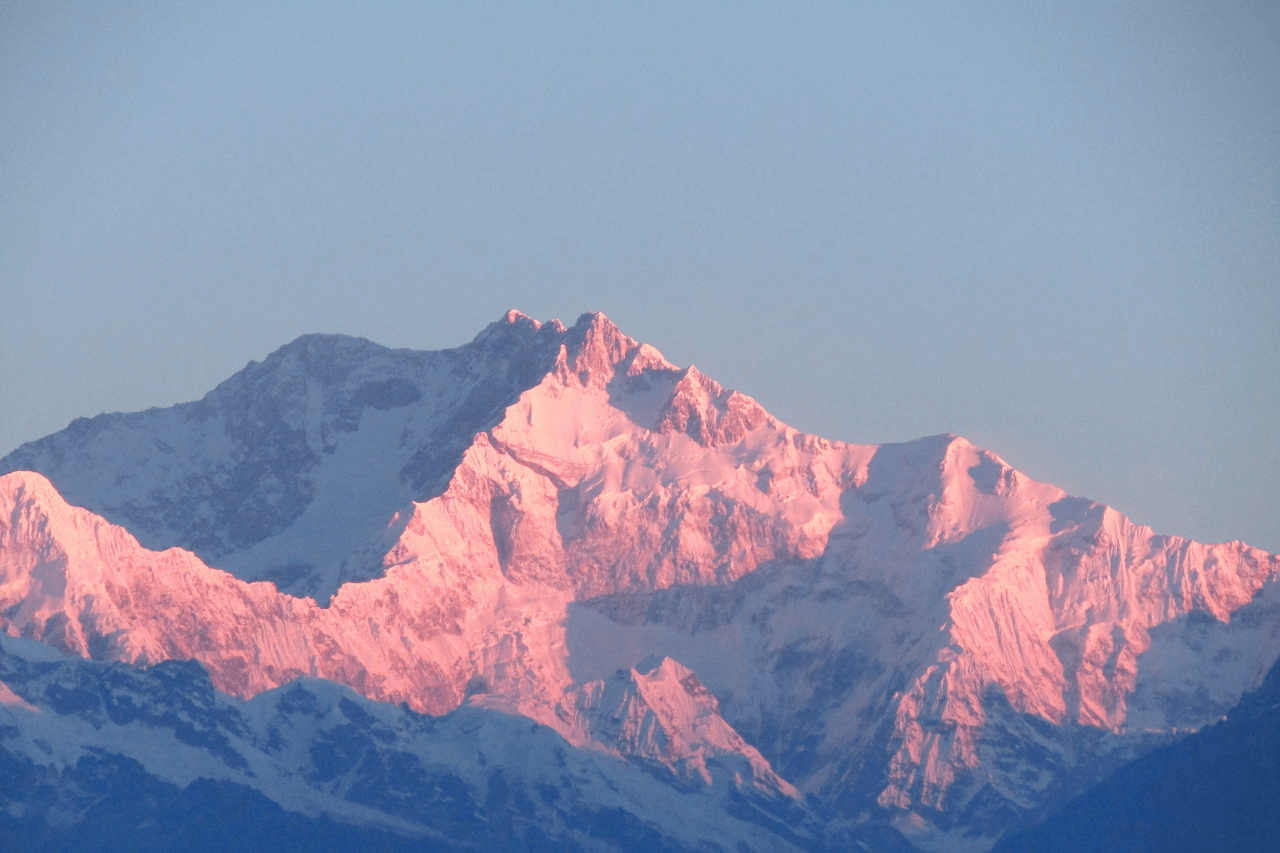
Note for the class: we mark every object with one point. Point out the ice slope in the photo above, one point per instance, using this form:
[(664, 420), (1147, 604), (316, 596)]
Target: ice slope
[(659, 713), (80, 584), (78, 734), (995, 651), (911, 632), (1215, 790), (288, 467)]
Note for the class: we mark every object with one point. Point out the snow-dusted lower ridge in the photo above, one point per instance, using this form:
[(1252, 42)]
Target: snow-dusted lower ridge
[(913, 633), (80, 737)]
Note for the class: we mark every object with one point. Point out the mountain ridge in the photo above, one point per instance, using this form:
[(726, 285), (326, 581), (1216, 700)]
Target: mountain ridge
[(897, 629), (1216, 789), (473, 779)]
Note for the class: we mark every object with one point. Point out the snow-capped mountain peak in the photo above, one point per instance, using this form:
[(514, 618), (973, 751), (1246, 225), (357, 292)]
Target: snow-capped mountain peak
[(542, 522)]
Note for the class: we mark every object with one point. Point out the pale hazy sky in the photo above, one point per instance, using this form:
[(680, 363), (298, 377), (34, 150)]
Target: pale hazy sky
[(1051, 228)]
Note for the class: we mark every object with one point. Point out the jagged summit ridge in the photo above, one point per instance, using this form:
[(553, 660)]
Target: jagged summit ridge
[(290, 468), (892, 628)]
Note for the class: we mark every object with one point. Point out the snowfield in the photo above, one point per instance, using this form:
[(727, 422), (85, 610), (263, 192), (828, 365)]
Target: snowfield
[(560, 541)]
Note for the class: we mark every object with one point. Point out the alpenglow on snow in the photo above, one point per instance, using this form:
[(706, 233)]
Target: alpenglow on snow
[(548, 588)]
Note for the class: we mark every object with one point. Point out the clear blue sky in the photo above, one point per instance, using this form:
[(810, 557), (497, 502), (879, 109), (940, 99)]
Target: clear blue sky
[(1051, 228)]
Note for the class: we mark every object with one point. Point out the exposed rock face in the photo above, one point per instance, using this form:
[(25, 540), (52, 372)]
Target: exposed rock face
[(1215, 790), (660, 713), (912, 632)]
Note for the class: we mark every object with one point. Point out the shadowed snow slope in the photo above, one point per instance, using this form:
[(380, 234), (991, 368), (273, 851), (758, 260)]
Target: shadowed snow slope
[(87, 739), (914, 633), (1215, 790)]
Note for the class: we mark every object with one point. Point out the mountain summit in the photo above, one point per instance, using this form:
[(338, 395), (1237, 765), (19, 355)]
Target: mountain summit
[(555, 523)]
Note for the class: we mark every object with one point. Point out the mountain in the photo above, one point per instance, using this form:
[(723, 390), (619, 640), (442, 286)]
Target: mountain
[(914, 635), (1216, 790), (101, 756), (284, 470)]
